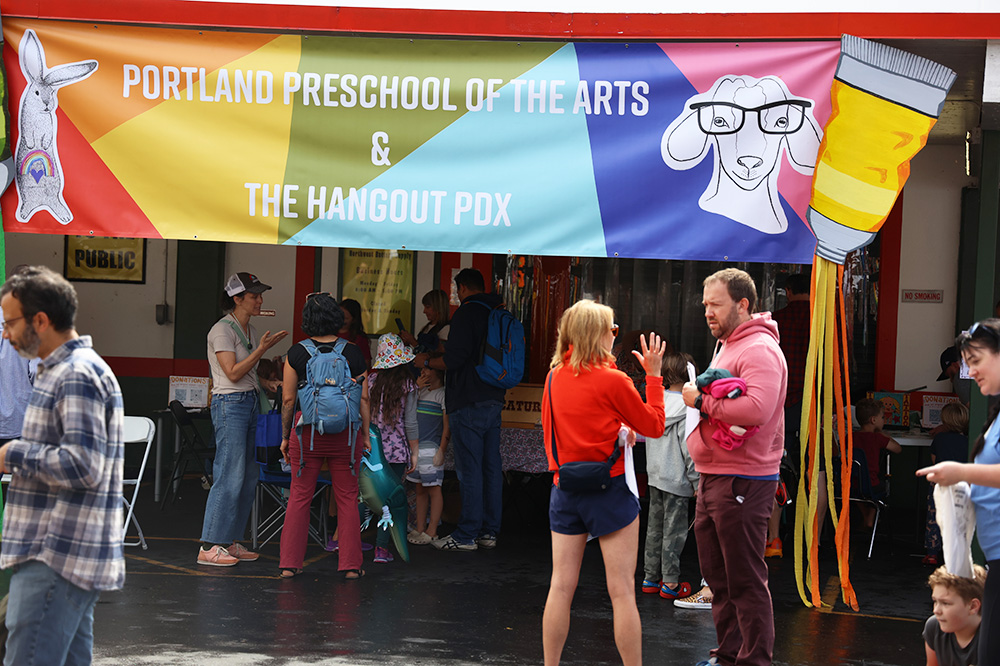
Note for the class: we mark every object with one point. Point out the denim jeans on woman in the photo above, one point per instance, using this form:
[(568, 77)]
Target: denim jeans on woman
[(235, 472), (475, 436), (50, 620)]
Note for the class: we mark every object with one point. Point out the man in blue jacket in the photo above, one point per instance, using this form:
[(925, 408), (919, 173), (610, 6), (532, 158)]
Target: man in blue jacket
[(473, 408)]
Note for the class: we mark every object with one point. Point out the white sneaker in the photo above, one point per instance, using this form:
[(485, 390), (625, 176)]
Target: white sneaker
[(450, 543)]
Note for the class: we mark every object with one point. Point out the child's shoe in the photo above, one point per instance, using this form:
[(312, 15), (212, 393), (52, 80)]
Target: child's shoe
[(773, 548), (418, 538), (650, 587), (683, 590), (382, 555)]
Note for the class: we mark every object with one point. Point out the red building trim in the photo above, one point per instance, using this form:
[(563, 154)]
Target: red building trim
[(888, 299), (542, 25), (305, 284)]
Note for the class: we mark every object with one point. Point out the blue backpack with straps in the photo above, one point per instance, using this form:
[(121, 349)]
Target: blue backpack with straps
[(329, 397), (501, 361)]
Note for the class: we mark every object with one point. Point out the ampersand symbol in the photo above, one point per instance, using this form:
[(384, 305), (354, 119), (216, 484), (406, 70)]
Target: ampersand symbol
[(380, 151)]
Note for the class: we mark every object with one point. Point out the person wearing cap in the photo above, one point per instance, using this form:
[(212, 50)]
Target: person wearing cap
[(951, 368), (234, 349)]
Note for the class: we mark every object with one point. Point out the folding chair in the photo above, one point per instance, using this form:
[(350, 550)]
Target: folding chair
[(193, 449), (861, 488), (270, 485), (137, 430)]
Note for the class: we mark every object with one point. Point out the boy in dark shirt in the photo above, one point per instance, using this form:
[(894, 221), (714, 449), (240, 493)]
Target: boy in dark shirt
[(951, 635), (872, 440)]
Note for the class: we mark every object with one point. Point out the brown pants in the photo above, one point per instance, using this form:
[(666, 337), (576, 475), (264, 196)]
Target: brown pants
[(731, 528)]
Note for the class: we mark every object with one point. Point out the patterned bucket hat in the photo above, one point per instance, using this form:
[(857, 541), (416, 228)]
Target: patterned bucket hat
[(392, 352)]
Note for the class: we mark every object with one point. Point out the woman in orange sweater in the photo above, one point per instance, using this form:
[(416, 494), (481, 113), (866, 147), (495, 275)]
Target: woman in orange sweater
[(585, 403)]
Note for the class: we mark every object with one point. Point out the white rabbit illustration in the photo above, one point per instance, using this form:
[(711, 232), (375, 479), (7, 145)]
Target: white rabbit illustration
[(38, 174)]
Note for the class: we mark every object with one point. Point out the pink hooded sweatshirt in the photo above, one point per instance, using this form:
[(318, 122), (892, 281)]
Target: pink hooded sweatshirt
[(750, 352)]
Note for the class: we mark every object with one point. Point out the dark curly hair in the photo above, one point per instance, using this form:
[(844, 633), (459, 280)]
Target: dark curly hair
[(321, 315), (40, 289)]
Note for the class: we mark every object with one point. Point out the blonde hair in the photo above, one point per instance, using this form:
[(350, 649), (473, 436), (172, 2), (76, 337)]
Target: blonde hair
[(955, 416), (582, 328)]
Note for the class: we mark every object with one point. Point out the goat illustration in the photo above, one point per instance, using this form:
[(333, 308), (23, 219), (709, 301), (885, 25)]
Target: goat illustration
[(744, 184), (38, 173)]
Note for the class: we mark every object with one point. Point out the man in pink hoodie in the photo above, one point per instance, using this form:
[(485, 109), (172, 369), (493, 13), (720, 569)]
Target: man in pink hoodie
[(737, 486)]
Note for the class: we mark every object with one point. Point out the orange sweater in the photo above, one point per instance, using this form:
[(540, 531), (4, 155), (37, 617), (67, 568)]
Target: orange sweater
[(590, 408)]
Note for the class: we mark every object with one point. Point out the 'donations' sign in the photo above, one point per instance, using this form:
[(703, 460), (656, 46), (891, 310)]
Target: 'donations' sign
[(672, 150)]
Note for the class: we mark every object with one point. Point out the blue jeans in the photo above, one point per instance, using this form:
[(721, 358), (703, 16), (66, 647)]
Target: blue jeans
[(50, 620), (475, 436), (235, 472)]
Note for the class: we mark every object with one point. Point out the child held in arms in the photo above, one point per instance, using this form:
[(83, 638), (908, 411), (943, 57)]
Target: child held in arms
[(951, 635)]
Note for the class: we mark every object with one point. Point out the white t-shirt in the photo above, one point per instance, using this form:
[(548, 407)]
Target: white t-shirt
[(222, 337)]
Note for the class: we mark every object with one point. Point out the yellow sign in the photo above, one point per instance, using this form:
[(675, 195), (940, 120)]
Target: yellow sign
[(92, 259), (382, 282)]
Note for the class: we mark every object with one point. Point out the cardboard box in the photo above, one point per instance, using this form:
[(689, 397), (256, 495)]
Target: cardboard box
[(193, 392), (523, 406)]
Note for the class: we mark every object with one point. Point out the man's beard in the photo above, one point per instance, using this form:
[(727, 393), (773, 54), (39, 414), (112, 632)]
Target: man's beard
[(28, 342)]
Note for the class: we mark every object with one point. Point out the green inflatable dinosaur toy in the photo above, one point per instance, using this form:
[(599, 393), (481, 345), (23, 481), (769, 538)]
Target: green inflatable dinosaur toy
[(382, 490)]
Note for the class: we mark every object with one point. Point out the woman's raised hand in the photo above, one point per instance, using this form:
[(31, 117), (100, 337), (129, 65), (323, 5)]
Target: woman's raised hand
[(651, 356), (267, 340)]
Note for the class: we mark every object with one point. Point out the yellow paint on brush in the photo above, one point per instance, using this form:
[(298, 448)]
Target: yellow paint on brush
[(864, 159)]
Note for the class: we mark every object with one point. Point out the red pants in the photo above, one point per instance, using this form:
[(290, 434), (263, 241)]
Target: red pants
[(335, 450), (731, 528)]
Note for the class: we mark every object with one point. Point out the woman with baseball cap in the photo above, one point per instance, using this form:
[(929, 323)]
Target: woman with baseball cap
[(234, 349)]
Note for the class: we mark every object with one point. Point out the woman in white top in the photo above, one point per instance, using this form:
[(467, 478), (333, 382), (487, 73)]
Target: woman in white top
[(234, 350)]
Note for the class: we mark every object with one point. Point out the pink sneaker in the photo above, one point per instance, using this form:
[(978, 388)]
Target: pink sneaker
[(216, 556), (240, 552), (382, 555)]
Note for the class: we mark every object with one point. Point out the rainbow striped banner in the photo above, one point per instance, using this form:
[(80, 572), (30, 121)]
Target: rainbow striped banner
[(672, 150)]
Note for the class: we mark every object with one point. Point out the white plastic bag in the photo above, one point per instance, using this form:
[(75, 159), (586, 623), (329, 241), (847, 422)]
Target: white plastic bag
[(956, 518)]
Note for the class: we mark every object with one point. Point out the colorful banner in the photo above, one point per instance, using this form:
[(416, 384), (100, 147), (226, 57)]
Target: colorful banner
[(674, 150)]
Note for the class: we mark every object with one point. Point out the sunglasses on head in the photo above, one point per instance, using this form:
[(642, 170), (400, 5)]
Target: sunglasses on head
[(318, 293)]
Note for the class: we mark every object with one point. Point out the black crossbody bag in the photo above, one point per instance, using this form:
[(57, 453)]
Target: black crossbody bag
[(583, 476)]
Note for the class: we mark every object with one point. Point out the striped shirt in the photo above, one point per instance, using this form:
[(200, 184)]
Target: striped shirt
[(64, 507)]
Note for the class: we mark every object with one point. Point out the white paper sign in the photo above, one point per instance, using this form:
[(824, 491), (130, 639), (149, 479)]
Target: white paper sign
[(693, 415), (192, 392)]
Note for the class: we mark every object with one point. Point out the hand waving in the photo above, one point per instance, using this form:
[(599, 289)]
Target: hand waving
[(651, 356)]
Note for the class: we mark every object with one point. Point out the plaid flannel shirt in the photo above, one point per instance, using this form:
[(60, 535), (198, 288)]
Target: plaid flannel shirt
[(64, 506)]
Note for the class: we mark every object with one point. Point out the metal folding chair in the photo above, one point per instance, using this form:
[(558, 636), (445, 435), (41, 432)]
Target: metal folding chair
[(270, 485), (137, 430), (193, 450)]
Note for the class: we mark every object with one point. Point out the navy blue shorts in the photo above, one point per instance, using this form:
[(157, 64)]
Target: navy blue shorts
[(597, 513)]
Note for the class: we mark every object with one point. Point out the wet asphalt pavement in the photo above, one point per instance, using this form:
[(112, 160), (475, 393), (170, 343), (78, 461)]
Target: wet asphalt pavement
[(464, 608)]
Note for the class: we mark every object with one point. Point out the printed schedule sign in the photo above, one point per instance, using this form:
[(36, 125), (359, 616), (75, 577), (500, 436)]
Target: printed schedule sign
[(672, 150), (382, 282)]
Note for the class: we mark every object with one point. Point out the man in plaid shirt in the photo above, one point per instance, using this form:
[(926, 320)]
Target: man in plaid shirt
[(62, 530)]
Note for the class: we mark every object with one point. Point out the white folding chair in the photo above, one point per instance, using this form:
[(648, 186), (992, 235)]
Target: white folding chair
[(138, 429)]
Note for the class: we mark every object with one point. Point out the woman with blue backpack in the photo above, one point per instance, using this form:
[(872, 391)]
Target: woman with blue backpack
[(234, 350), (325, 375)]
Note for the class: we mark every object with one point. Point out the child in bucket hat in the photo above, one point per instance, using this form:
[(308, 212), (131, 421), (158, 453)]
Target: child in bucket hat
[(392, 352), (393, 401)]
